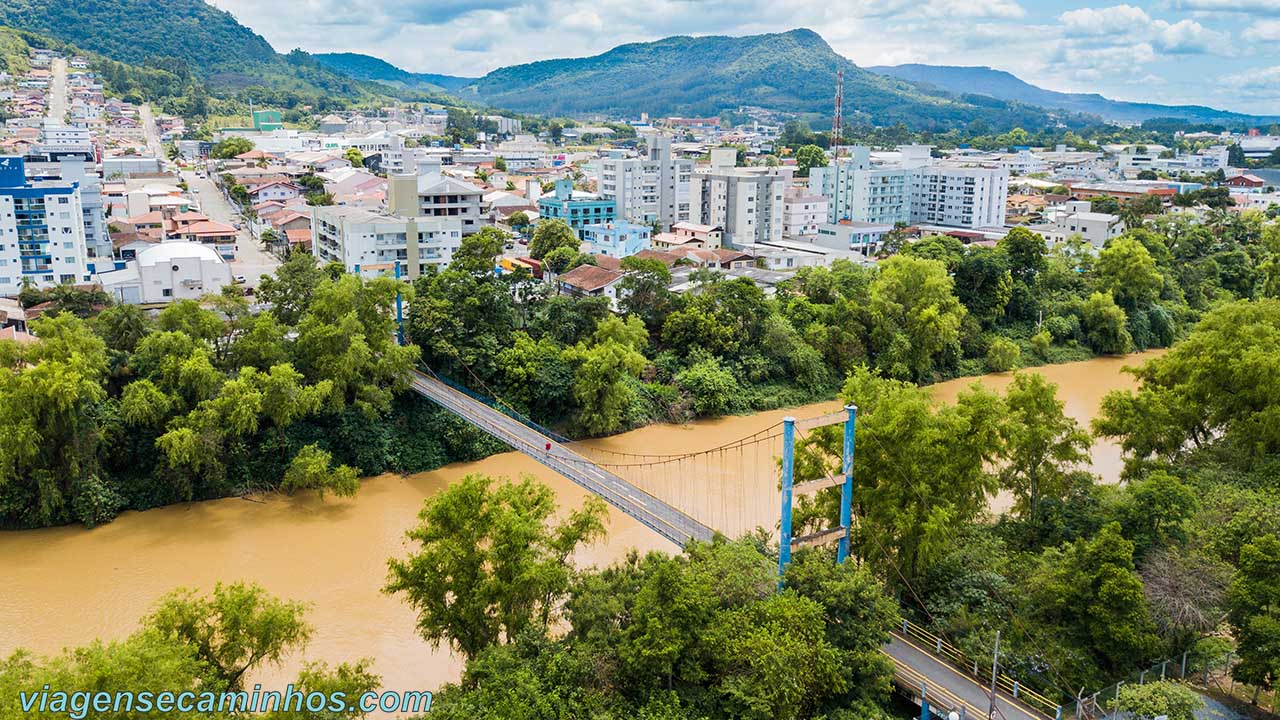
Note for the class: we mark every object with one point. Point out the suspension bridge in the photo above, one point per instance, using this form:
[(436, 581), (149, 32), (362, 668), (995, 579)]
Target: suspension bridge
[(733, 488)]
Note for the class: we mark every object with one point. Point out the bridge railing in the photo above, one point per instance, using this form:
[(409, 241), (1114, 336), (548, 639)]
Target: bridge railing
[(496, 404), (957, 658)]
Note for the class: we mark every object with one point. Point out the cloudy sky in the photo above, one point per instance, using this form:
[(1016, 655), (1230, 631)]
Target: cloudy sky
[(1224, 53)]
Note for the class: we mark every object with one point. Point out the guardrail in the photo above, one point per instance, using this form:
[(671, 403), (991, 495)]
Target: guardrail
[(498, 405), (956, 657)]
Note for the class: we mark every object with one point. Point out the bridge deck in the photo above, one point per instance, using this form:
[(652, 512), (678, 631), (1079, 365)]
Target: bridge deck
[(947, 687), (655, 514)]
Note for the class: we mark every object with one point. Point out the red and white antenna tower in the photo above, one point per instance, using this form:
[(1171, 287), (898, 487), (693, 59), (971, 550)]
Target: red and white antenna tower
[(837, 124)]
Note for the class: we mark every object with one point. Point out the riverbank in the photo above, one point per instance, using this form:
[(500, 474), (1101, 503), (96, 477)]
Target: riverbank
[(67, 585)]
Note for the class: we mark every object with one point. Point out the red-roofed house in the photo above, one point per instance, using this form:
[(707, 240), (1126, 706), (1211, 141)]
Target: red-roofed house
[(1246, 182), (299, 238), (591, 281), (285, 221)]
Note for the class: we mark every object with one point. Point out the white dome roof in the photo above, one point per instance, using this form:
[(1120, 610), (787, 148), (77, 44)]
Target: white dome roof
[(177, 250)]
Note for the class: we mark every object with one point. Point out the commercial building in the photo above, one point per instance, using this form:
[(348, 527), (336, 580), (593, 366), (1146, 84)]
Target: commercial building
[(168, 271), (370, 243), (745, 203), (651, 188), (853, 235), (41, 231), (912, 188), (576, 208), (616, 240)]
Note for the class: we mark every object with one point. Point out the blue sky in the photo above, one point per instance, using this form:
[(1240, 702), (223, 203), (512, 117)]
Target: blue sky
[(1223, 53)]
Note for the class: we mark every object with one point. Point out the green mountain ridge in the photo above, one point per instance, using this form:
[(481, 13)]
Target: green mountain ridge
[(792, 71), (195, 44), (1006, 86), (368, 67)]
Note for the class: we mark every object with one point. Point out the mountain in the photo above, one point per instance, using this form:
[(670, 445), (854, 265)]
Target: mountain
[(367, 67), (1005, 86), (792, 72), (189, 39)]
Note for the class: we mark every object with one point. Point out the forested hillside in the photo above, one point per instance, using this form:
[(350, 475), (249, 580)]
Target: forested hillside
[(790, 72)]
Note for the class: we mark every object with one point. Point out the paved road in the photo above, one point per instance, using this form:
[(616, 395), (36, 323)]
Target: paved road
[(948, 687), (152, 133), (57, 110), (650, 511), (251, 260)]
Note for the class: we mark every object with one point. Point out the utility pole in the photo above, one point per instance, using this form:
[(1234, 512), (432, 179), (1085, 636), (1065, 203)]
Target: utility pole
[(995, 671)]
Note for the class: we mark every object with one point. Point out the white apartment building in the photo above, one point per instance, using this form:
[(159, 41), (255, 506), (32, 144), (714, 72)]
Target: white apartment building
[(58, 140), (914, 188), (432, 194), (745, 203), (370, 243), (803, 212), (651, 188), (41, 231), (168, 271), (75, 170), (1131, 162), (1077, 218)]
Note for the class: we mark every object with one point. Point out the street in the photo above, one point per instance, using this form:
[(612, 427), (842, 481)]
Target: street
[(251, 260), (57, 110), (153, 135)]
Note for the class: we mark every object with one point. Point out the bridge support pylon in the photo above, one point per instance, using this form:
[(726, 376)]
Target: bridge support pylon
[(786, 541)]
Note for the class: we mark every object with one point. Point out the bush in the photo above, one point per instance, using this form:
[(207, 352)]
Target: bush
[(1040, 344), (713, 389), (1158, 699)]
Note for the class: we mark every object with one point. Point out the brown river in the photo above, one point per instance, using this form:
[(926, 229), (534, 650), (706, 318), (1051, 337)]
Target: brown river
[(64, 586)]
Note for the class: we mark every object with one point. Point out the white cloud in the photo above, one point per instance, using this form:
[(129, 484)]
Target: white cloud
[(1263, 31), (1105, 21), (1229, 6), (1189, 37), (1261, 82)]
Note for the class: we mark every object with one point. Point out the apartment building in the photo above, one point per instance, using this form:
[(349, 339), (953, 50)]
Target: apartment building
[(912, 187), (576, 208), (75, 170), (41, 231), (371, 243), (432, 194), (648, 189), (803, 212), (745, 203)]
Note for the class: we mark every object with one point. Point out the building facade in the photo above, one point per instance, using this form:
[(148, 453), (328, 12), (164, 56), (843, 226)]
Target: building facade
[(617, 240), (576, 208), (914, 189), (803, 212), (431, 194), (648, 189), (168, 271), (745, 203), (41, 231), (371, 244)]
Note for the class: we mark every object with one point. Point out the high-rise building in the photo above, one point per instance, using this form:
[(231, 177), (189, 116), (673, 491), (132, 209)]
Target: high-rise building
[(913, 188), (429, 193), (97, 240), (745, 203), (651, 188), (41, 230)]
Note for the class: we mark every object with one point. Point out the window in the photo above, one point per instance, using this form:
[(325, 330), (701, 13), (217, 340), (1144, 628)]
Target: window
[(70, 260), (167, 292)]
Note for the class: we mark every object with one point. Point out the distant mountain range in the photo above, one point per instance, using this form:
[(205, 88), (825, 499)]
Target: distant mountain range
[(367, 67), (790, 72), (1006, 86)]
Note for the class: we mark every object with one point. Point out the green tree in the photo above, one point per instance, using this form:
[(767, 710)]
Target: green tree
[(233, 630), (1105, 325), (1126, 270), (500, 164), (713, 388), (518, 220), (230, 147), (603, 378), (488, 563), (478, 252), (1253, 609), (550, 235), (915, 316), (1042, 447), (312, 469), (1003, 355), (354, 156), (809, 156)]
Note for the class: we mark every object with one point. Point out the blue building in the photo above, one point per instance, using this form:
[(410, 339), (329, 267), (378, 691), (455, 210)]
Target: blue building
[(576, 208), (617, 240), (41, 231)]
